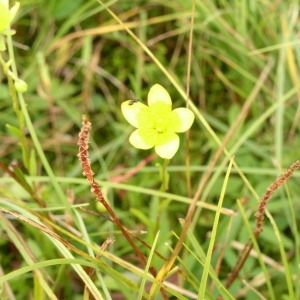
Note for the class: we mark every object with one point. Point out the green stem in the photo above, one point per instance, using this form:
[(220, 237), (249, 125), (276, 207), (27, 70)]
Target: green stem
[(61, 197), (165, 177)]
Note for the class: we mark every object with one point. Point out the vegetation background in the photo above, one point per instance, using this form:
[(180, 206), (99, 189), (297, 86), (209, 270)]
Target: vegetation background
[(239, 63)]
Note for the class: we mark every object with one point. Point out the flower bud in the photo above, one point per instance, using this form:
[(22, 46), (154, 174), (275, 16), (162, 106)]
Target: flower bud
[(21, 86)]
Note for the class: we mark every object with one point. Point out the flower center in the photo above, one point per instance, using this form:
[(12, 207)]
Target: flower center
[(159, 113), (160, 125)]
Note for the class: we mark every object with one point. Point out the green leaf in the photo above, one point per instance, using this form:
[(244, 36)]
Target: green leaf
[(25, 158), (15, 131), (32, 163), (65, 8), (22, 180)]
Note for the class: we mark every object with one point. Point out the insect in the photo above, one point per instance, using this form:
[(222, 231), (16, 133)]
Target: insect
[(133, 101)]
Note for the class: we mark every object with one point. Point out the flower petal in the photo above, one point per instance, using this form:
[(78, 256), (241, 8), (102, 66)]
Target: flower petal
[(158, 93), (131, 111), (138, 140), (168, 149), (4, 2), (4, 16), (14, 10), (182, 119)]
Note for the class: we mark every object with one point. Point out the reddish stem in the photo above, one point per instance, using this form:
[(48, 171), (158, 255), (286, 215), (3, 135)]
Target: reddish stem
[(83, 156)]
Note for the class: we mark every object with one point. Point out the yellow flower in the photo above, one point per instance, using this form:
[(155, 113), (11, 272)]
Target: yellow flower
[(157, 124), (6, 17)]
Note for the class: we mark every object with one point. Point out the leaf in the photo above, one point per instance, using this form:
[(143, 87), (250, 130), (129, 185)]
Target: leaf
[(65, 8), (15, 131), (32, 168), (22, 179)]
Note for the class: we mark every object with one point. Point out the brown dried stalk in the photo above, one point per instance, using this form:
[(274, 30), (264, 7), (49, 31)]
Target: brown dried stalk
[(260, 214), (83, 156)]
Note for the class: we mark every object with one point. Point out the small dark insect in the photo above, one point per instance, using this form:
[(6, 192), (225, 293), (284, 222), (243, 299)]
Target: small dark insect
[(133, 101)]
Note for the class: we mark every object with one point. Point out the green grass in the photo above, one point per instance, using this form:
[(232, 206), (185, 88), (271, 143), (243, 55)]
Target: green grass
[(236, 64)]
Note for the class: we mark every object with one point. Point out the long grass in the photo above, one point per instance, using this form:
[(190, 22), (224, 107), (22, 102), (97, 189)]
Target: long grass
[(236, 65)]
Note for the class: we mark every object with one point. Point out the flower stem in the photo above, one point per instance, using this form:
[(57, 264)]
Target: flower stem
[(165, 177)]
